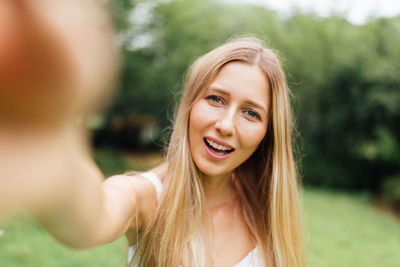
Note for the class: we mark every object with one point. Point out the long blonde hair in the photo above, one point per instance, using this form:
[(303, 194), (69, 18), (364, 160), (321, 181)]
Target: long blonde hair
[(267, 179)]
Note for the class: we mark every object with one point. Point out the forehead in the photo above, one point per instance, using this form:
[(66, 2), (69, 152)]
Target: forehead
[(243, 80)]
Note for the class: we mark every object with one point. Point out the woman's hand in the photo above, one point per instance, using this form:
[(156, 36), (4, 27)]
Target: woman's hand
[(57, 59), (58, 62)]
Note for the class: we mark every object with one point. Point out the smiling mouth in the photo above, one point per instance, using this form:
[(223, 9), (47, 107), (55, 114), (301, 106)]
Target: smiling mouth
[(217, 148)]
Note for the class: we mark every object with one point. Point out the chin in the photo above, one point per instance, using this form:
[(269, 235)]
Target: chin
[(213, 171)]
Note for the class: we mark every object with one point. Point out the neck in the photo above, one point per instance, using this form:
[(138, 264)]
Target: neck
[(219, 190)]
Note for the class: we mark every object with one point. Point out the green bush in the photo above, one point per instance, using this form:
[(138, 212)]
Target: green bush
[(111, 162), (344, 80), (391, 190)]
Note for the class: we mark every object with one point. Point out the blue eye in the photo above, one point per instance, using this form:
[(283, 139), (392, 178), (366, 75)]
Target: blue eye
[(215, 99), (252, 114)]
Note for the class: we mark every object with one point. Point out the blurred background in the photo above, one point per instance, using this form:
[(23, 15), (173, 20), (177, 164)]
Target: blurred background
[(342, 60)]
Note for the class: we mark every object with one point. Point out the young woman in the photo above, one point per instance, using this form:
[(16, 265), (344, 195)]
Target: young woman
[(226, 194)]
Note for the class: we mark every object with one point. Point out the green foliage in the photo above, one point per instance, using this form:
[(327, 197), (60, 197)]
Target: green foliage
[(391, 189), (180, 31), (120, 10), (110, 162), (345, 79)]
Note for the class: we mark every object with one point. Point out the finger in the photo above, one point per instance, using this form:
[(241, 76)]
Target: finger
[(57, 56)]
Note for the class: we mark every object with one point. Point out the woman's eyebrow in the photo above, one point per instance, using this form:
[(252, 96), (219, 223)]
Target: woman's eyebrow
[(256, 105), (218, 89), (215, 88)]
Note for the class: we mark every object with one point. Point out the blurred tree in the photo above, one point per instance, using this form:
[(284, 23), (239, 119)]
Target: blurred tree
[(164, 41), (345, 78), (120, 10), (347, 113)]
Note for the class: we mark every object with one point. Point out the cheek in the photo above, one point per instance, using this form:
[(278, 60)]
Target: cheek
[(196, 124), (200, 118), (252, 137)]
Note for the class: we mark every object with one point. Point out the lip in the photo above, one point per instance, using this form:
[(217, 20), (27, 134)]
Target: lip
[(211, 154)]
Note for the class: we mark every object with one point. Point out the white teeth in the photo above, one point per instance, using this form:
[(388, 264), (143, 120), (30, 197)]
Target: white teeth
[(217, 146)]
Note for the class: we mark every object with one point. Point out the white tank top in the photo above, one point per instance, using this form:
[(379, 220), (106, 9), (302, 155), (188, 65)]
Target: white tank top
[(253, 259)]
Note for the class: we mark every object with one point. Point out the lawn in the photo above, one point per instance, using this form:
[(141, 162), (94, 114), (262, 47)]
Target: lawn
[(23, 243), (346, 230), (342, 230)]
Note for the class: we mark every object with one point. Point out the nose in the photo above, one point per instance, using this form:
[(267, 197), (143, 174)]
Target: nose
[(225, 125)]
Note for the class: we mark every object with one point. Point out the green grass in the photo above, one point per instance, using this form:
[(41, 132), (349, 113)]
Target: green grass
[(345, 230), (25, 243), (342, 230)]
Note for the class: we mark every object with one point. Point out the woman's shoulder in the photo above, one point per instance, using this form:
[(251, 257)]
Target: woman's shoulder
[(159, 171), (140, 181)]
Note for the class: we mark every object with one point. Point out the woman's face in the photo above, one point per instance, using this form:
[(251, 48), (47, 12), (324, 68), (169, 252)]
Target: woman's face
[(230, 120)]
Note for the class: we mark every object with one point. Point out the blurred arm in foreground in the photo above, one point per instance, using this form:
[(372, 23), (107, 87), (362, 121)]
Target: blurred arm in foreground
[(58, 62)]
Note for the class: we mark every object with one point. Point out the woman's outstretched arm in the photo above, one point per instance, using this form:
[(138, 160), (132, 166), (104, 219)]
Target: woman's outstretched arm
[(53, 176), (57, 61)]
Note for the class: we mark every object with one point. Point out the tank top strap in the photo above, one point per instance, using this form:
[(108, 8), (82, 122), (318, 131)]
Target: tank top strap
[(153, 178)]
